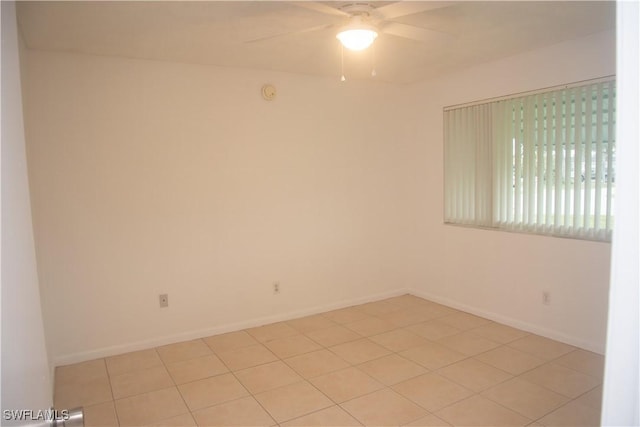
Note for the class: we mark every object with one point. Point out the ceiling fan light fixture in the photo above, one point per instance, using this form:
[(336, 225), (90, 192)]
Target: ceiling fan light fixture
[(357, 35)]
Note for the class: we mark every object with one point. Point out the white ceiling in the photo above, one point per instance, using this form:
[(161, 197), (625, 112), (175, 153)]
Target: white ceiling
[(216, 32)]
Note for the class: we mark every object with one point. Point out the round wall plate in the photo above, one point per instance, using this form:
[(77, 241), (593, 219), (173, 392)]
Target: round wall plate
[(268, 92)]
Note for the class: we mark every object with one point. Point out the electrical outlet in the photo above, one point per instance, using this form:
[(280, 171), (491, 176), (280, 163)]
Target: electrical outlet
[(164, 300), (276, 287), (546, 298)]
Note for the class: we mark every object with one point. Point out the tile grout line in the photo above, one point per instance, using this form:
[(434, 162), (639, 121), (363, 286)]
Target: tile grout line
[(113, 398), (243, 386), (396, 327), (175, 384), (306, 380)]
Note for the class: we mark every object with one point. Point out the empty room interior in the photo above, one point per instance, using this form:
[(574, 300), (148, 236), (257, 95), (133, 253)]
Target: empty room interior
[(222, 214)]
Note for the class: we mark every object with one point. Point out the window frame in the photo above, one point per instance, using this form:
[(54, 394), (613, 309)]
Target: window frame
[(551, 227)]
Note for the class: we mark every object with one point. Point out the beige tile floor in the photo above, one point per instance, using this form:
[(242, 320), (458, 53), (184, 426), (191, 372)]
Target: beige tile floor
[(400, 361)]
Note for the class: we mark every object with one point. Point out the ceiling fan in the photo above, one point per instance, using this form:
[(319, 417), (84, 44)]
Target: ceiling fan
[(364, 21)]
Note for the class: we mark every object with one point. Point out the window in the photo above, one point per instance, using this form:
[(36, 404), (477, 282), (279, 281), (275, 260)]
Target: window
[(541, 163)]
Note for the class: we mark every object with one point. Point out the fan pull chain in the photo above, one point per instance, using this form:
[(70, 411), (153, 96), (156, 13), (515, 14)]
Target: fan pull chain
[(342, 63), (373, 61)]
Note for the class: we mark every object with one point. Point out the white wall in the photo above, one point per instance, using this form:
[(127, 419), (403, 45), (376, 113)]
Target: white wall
[(25, 368), (153, 177), (499, 274), (621, 391)]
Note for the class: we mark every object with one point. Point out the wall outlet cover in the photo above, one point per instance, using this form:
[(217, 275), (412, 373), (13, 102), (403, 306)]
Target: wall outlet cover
[(164, 300)]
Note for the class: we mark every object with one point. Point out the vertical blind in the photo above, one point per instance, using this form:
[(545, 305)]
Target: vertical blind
[(542, 163)]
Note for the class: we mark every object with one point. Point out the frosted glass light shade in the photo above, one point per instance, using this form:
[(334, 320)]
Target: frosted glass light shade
[(357, 38)]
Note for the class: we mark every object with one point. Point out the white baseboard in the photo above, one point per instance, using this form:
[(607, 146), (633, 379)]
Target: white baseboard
[(515, 323), (192, 335)]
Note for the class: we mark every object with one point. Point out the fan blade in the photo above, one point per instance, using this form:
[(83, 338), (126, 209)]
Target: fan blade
[(415, 33), (290, 33), (402, 8), (320, 7)]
